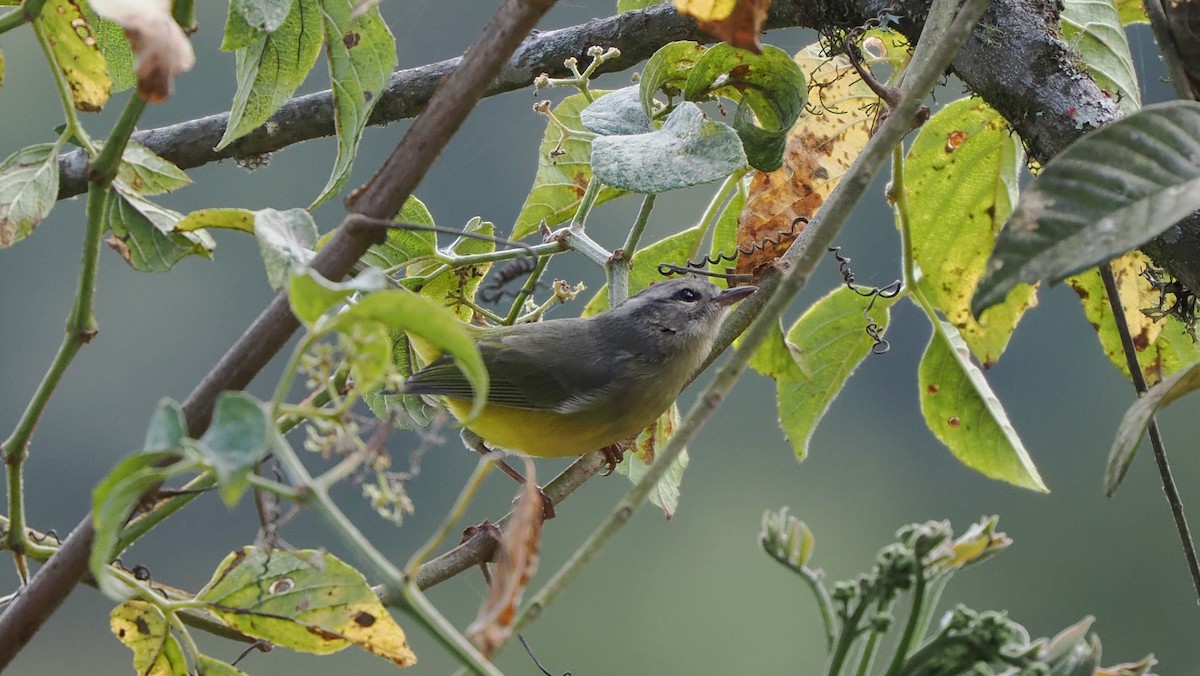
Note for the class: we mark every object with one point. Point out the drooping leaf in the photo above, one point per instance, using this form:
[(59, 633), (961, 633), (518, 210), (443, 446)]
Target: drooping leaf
[(738, 22), (1131, 12), (1137, 417), (963, 413), (362, 55), (232, 219), (304, 600), (143, 233), (1112, 190), (665, 494), (161, 48), (239, 437), (1163, 345), (143, 628), (961, 180), (424, 319), (402, 246), (770, 89), (1095, 30), (311, 295), (28, 190), (820, 149), (819, 354), (516, 562), (285, 240), (563, 173), (272, 67), (667, 70), (113, 501), (145, 173), (75, 53), (644, 266), (688, 150)]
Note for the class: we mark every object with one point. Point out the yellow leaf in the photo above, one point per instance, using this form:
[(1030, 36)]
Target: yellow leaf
[(143, 628), (75, 53), (738, 22), (304, 600)]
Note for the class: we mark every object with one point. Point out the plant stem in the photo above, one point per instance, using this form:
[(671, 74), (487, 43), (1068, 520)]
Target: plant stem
[(1161, 27), (527, 290), (493, 256), (456, 511), (619, 264), (846, 639), (28, 11), (799, 262), (1156, 442), (910, 636)]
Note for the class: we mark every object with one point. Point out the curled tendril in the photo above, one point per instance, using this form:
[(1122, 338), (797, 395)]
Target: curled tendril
[(697, 267), (874, 330), (494, 290)]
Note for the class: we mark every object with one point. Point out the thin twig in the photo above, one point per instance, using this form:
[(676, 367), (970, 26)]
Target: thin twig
[(1156, 443)]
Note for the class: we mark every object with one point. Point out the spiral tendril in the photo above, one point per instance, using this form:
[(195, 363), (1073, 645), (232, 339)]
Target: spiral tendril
[(774, 240), (873, 330)]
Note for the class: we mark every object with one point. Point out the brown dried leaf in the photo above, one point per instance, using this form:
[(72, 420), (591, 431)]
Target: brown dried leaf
[(738, 22), (516, 562), (820, 148), (163, 50)]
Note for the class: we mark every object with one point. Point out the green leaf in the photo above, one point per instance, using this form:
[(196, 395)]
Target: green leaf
[(617, 113), (28, 190), (563, 173), (688, 150), (115, 47), (304, 600), (264, 15), (667, 71), (143, 233), (239, 437), (820, 353), (424, 319), (272, 67), (402, 246), (1, 69), (362, 54), (1137, 417), (964, 414), (285, 240), (145, 630), (644, 267), (1094, 28), (210, 666), (311, 295), (630, 5), (113, 501), (76, 53), (448, 287), (418, 413), (167, 429), (368, 348), (961, 180), (145, 173), (665, 494), (1131, 12), (1162, 344), (232, 219), (1112, 190), (770, 90)]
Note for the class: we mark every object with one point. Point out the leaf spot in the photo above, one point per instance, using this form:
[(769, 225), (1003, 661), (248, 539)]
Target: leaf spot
[(351, 40), (953, 421), (933, 388), (364, 619), (281, 586), (954, 140)]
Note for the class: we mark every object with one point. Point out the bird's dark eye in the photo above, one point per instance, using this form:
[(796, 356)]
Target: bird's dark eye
[(688, 295)]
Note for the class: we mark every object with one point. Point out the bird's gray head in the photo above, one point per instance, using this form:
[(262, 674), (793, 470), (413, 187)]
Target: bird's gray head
[(684, 313)]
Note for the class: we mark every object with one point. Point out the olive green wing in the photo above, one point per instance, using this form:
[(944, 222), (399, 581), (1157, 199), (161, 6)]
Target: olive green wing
[(529, 368)]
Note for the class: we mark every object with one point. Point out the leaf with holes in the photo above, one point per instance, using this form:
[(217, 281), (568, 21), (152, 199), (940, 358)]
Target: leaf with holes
[(362, 54), (75, 53), (145, 630), (1162, 344), (961, 181), (1112, 190), (689, 149), (963, 413), (450, 287), (305, 600)]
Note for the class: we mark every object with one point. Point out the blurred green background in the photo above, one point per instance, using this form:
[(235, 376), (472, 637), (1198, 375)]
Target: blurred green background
[(693, 595)]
